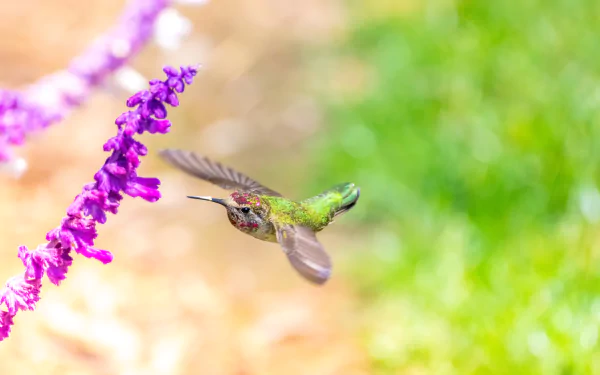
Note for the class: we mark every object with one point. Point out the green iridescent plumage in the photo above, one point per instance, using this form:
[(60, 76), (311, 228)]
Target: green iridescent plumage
[(264, 214), (316, 212)]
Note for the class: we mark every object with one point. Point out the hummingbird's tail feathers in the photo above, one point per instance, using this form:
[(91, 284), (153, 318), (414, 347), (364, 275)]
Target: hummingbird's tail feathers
[(333, 202), (350, 194)]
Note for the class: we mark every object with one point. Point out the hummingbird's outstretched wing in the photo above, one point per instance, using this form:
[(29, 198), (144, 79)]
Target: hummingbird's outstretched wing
[(304, 252), (214, 172)]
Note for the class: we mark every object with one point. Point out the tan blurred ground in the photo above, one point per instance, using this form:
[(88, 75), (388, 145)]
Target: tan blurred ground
[(186, 293)]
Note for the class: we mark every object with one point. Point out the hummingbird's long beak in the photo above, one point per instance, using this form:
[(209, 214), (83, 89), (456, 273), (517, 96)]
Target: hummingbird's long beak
[(210, 199)]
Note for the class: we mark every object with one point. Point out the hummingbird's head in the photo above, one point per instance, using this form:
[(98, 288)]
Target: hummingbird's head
[(245, 211)]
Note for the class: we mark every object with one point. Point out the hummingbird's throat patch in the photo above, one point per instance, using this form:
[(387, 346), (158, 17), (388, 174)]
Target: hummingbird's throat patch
[(244, 199)]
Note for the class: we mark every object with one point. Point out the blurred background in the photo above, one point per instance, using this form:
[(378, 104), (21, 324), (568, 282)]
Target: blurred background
[(470, 126)]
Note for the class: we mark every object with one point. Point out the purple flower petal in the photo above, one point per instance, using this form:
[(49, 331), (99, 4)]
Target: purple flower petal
[(137, 98), (146, 188), (157, 126), (113, 175), (6, 322), (157, 108), (76, 232), (131, 127), (20, 294), (59, 264), (188, 73), (172, 99), (114, 143), (140, 148), (95, 203), (103, 256), (35, 262), (160, 91), (176, 84), (170, 71), (50, 258)]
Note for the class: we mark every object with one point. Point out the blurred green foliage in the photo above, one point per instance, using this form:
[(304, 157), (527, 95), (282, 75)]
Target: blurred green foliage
[(476, 142)]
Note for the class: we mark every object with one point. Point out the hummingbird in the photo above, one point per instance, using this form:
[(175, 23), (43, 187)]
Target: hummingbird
[(266, 215)]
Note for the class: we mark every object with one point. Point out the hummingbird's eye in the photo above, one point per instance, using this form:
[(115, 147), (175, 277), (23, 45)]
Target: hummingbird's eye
[(245, 210)]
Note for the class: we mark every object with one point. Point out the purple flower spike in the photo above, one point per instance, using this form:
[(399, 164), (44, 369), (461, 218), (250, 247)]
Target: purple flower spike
[(117, 176), (54, 96)]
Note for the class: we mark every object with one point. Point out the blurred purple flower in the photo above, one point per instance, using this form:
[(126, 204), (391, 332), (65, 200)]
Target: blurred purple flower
[(54, 96), (77, 230)]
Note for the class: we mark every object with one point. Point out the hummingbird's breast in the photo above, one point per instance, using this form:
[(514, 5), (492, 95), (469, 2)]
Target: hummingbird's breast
[(264, 231), (256, 227)]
